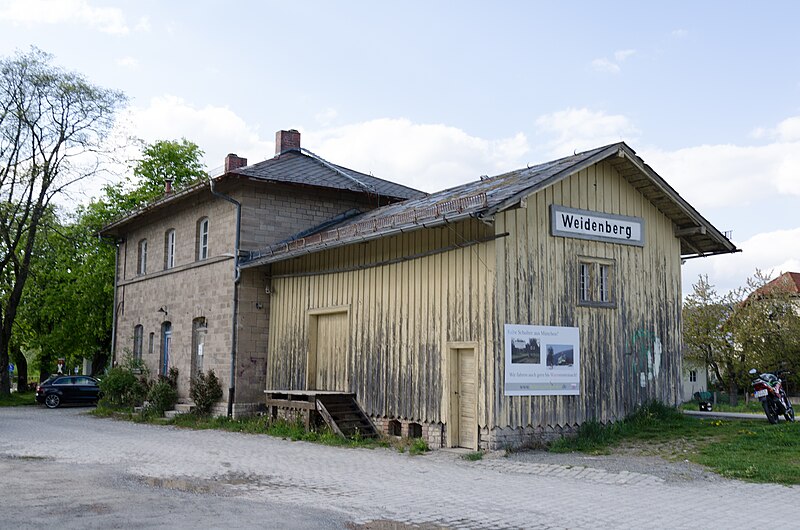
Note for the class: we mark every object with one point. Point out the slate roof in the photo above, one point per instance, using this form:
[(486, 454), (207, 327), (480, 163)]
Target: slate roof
[(296, 167), (485, 197), (290, 167)]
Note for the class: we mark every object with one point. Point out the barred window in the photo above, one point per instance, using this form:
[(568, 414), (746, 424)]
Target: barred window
[(596, 282)]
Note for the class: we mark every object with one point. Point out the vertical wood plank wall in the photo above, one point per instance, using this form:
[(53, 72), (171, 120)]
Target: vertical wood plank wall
[(401, 316), (537, 283)]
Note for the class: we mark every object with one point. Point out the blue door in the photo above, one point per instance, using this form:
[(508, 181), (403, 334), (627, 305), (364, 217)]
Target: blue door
[(166, 341)]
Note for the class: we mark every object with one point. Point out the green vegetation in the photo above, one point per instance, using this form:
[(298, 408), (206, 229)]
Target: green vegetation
[(205, 390), (474, 456), (16, 399), (754, 326), (744, 449), (723, 405)]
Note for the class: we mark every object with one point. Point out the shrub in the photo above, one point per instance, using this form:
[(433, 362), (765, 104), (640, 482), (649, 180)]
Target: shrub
[(122, 387), (161, 397), (205, 390)]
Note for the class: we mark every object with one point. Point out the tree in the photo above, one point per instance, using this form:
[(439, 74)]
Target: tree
[(743, 329), (67, 307), (53, 124), (176, 160)]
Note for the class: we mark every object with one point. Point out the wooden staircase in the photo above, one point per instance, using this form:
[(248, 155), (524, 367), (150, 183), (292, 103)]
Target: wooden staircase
[(344, 416)]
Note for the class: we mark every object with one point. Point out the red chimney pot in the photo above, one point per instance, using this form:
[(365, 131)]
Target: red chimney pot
[(286, 140)]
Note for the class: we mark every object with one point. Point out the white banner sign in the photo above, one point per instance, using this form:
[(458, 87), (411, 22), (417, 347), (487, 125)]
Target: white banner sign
[(542, 361), (585, 224)]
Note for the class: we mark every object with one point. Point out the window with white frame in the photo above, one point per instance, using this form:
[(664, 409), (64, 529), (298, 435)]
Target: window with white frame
[(202, 239), (169, 249), (141, 267), (596, 282)]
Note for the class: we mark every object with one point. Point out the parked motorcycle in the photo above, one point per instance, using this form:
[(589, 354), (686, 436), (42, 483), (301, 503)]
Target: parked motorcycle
[(768, 388)]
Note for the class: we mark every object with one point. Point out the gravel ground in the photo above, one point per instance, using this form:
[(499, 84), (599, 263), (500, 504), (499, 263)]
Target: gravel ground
[(68, 469)]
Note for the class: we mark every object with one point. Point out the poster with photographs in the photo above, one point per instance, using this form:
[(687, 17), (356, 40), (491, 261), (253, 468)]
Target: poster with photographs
[(542, 360)]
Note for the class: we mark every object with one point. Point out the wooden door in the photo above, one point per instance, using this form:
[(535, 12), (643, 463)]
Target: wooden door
[(328, 355), (463, 404)]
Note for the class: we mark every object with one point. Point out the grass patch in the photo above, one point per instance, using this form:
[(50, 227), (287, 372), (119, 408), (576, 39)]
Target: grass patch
[(280, 428), (744, 449), (474, 456), (18, 399), (753, 406)]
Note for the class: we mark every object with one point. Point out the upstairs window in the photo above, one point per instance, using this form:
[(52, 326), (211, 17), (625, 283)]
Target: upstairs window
[(141, 268), (692, 376), (169, 249), (202, 239), (596, 282)]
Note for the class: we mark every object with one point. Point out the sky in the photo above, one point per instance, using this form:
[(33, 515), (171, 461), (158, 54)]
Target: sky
[(437, 93)]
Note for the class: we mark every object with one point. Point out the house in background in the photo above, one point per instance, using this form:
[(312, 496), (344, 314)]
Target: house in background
[(695, 379), (181, 298), (416, 307)]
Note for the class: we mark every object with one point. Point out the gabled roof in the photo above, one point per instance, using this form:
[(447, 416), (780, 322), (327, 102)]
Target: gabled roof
[(485, 197), (291, 167), (788, 282), (297, 167)]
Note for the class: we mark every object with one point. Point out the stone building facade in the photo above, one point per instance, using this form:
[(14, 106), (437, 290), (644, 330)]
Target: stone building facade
[(181, 299)]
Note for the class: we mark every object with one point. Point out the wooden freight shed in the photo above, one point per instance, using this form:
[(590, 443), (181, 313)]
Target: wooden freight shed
[(507, 309)]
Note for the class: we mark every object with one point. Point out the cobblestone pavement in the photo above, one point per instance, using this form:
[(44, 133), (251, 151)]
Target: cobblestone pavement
[(357, 486)]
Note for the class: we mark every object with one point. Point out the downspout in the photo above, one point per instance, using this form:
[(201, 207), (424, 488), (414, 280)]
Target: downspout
[(237, 276), (113, 355)]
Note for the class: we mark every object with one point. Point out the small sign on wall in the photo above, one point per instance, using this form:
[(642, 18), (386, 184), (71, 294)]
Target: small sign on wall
[(542, 361), (597, 226)]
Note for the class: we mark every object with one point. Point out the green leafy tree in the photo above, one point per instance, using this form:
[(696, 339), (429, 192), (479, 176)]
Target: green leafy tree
[(67, 308), (51, 122), (743, 329)]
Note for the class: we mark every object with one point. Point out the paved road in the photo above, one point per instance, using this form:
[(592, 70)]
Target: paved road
[(79, 471)]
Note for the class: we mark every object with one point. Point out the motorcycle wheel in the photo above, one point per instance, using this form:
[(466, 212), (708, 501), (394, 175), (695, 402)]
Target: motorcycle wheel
[(769, 410), (789, 414)]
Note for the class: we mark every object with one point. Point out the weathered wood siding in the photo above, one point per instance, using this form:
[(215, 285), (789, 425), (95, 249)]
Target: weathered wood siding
[(404, 318), (401, 316), (537, 283)]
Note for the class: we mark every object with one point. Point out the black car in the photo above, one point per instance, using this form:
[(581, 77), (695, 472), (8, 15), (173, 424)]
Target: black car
[(58, 389)]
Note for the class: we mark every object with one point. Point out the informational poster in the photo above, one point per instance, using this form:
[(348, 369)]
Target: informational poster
[(542, 361)]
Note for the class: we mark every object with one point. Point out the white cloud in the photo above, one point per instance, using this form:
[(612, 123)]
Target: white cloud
[(217, 130), (774, 252), (621, 55), (429, 157), (130, 63), (604, 64), (29, 12), (581, 129), (142, 25), (325, 117), (680, 33), (729, 175)]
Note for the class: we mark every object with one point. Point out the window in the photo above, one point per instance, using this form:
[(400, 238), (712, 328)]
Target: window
[(138, 335), (202, 239), (199, 331), (169, 249), (596, 282), (150, 343), (166, 343), (692, 376), (142, 266)]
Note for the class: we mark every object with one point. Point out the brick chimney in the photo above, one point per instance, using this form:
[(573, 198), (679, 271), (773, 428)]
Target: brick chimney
[(168, 185), (233, 161), (285, 140)]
